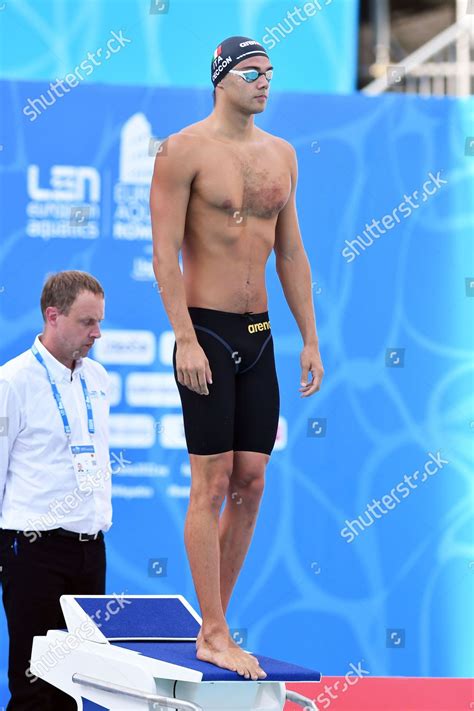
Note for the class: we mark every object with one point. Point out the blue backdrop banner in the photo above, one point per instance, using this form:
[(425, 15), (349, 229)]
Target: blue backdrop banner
[(363, 550)]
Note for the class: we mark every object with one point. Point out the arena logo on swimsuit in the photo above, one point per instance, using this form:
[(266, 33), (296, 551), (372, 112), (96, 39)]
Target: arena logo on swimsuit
[(262, 326)]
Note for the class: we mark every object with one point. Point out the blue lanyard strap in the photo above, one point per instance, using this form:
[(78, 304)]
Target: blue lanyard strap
[(58, 398)]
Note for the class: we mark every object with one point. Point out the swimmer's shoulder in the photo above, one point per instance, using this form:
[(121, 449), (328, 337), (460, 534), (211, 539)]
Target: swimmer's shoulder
[(183, 147), (188, 142), (185, 138), (194, 129), (199, 133)]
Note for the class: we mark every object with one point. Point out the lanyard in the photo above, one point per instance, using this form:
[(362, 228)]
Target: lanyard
[(58, 398)]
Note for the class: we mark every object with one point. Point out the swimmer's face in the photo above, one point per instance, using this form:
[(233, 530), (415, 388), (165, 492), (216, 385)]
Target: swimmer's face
[(250, 97)]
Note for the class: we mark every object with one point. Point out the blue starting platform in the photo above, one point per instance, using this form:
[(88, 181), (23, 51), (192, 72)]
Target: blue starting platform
[(139, 652)]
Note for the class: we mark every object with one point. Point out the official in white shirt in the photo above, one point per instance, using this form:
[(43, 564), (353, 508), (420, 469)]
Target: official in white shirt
[(55, 483)]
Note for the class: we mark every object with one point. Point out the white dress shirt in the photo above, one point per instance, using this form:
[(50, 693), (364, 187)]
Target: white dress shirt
[(38, 486)]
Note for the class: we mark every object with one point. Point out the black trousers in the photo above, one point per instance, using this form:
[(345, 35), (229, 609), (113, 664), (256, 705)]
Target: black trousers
[(34, 575)]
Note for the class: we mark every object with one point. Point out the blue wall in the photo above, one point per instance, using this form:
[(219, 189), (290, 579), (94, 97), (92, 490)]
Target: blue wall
[(395, 342), (313, 44)]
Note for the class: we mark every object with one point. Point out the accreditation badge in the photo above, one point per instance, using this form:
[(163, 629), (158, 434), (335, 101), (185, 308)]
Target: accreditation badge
[(86, 469)]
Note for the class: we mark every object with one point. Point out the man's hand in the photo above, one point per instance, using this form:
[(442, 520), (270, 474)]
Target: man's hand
[(193, 368), (310, 360)]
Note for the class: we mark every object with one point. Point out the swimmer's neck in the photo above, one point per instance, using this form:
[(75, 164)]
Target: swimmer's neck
[(228, 124)]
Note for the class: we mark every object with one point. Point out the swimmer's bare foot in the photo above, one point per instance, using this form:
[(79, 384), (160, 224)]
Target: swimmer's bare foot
[(220, 649)]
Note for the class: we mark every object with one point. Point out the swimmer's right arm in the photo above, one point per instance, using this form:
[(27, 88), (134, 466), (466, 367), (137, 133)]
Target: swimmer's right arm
[(173, 174), (169, 197)]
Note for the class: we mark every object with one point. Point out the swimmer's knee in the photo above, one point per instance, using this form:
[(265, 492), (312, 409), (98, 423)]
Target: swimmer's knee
[(209, 463), (210, 475), (249, 472), (251, 486)]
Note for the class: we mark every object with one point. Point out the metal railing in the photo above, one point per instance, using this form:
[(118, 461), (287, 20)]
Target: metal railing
[(442, 66), (154, 699)]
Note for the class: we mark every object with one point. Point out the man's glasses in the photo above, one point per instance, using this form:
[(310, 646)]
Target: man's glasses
[(250, 75)]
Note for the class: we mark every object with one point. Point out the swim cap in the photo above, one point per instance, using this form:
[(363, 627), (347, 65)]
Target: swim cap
[(232, 51)]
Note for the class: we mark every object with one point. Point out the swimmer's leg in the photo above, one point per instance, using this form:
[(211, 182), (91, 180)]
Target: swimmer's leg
[(237, 522), (210, 483)]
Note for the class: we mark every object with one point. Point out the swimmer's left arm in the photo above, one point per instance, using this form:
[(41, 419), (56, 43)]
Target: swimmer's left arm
[(294, 272)]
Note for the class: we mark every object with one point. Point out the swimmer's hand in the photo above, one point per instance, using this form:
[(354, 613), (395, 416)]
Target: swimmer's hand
[(192, 367), (310, 360)]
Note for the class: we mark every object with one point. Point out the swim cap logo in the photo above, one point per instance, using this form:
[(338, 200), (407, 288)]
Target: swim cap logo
[(247, 44), (218, 63)]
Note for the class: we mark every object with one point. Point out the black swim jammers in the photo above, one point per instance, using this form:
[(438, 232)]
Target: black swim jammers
[(242, 409)]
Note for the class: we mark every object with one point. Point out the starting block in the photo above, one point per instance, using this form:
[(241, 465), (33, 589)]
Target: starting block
[(137, 652)]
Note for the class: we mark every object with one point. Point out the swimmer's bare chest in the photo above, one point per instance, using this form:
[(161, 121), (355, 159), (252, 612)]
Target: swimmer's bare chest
[(233, 208)]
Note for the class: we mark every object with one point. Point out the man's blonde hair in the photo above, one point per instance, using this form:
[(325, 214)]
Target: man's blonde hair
[(62, 289)]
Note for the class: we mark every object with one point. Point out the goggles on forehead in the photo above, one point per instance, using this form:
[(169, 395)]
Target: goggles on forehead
[(250, 75)]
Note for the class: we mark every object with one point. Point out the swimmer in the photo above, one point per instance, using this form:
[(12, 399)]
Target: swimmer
[(223, 193)]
